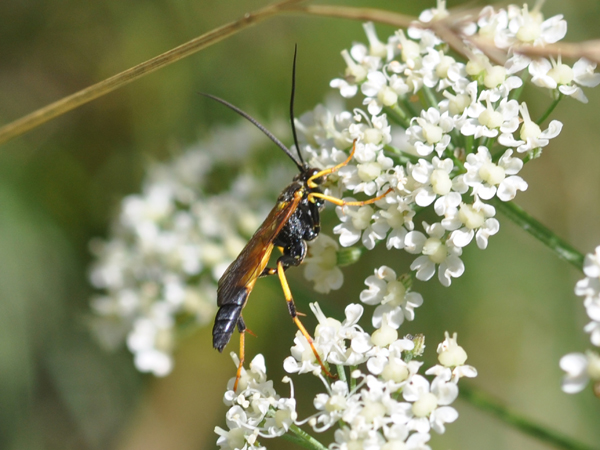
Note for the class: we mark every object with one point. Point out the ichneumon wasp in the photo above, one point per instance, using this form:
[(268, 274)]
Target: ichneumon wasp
[(291, 223)]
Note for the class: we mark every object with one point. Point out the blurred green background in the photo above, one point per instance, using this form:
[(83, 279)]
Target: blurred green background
[(514, 308)]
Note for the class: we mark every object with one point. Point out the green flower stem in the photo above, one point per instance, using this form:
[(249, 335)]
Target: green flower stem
[(303, 439), (539, 231), (430, 101), (549, 110), (401, 157), (352, 379), (341, 372), (469, 144), (409, 107), (487, 403), (398, 115), (460, 164), (516, 93)]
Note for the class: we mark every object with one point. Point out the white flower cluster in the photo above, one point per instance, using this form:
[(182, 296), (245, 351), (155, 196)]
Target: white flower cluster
[(581, 368), (169, 246), (439, 131), (256, 410), (385, 404)]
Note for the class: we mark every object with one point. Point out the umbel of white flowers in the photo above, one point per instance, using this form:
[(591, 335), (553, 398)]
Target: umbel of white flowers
[(443, 133), (462, 146), (581, 368)]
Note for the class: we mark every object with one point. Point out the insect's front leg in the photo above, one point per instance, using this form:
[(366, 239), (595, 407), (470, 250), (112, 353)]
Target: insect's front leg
[(340, 202), (311, 181)]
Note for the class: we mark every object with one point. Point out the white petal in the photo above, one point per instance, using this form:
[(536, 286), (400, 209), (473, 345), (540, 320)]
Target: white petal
[(509, 187), (425, 268), (462, 238)]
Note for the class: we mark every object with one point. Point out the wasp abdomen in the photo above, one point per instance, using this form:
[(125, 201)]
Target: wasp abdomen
[(227, 318)]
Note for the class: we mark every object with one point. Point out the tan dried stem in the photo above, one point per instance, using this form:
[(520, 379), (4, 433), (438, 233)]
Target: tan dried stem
[(448, 29), (66, 104)]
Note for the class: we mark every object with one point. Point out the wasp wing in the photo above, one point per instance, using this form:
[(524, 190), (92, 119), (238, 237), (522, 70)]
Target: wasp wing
[(238, 280)]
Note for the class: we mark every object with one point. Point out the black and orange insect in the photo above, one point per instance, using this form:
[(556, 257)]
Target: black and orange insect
[(293, 221)]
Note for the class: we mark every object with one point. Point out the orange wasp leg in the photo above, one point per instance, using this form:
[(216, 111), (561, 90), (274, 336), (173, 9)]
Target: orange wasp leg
[(340, 202), (292, 310), (311, 183), (238, 374)]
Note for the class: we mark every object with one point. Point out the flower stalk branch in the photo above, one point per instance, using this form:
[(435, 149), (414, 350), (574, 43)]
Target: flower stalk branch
[(447, 29), (70, 102), (303, 439), (485, 402), (562, 249)]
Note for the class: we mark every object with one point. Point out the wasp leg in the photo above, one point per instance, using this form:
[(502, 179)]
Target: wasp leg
[(311, 183), (267, 271), (283, 263), (242, 329), (340, 202)]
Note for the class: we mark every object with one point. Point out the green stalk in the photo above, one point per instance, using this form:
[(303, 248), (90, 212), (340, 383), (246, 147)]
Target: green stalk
[(401, 157), (562, 249), (549, 110), (485, 402), (303, 439), (516, 94), (341, 372), (409, 107), (352, 379), (398, 115), (430, 101)]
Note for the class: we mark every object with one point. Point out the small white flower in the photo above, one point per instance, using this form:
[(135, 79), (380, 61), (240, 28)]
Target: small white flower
[(429, 408), (441, 71), (336, 342), (590, 286), (382, 90), (411, 51), (452, 356), (531, 134), (435, 252), (528, 27), (476, 220), (377, 48), (489, 121), (430, 132), (556, 75), (356, 221), (321, 127), (368, 177), (333, 405), (358, 64), (393, 298), (580, 369), (435, 181), (321, 264), (151, 341), (437, 13), (488, 178), (398, 218), (389, 365), (256, 410)]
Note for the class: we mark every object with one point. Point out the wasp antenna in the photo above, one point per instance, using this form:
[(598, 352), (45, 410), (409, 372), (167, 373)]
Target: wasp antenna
[(258, 125), (292, 109)]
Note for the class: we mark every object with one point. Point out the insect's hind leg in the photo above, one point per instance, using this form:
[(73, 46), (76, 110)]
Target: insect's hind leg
[(267, 271), (241, 326), (283, 263)]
